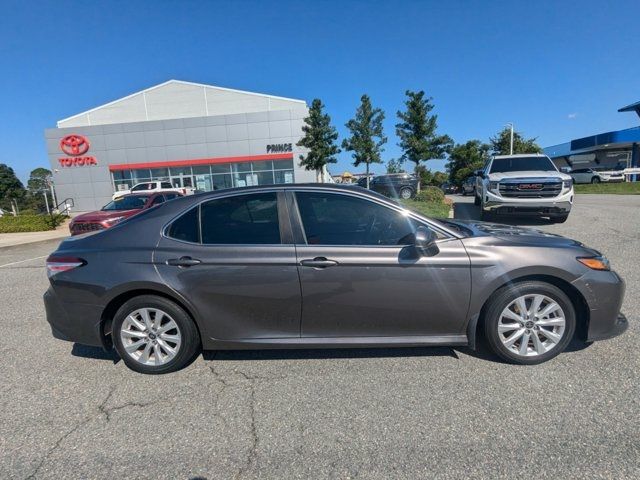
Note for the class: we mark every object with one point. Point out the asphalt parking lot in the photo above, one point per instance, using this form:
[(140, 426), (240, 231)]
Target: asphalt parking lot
[(68, 411)]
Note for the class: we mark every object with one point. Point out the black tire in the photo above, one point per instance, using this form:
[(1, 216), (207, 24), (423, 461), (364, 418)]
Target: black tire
[(190, 338), (476, 200), (595, 180), (503, 297), (560, 218), (464, 192), (406, 193)]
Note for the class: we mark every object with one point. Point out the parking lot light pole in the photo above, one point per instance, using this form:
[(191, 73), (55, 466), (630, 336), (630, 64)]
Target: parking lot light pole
[(510, 125)]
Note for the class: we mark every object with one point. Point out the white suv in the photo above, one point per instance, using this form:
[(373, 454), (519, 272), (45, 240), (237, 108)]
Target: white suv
[(152, 187), (528, 184)]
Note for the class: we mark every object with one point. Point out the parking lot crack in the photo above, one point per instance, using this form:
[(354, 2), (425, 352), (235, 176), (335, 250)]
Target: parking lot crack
[(70, 432), (252, 454)]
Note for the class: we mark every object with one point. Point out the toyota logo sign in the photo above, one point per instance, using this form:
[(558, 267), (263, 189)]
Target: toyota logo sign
[(74, 145)]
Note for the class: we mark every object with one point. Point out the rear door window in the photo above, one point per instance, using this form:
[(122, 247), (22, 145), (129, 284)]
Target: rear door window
[(241, 220)]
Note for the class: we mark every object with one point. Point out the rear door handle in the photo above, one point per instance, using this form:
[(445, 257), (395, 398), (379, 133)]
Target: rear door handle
[(318, 262), (183, 262)]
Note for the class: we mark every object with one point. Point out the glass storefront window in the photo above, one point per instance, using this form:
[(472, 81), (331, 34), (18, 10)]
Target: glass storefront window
[(211, 177), (160, 173), (221, 168)]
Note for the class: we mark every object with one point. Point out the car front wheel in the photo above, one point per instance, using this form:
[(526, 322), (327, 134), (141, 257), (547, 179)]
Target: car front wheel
[(529, 323), (595, 180), (154, 335)]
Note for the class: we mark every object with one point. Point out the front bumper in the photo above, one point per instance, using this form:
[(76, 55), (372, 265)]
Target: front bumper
[(603, 292), (560, 205), (74, 322)]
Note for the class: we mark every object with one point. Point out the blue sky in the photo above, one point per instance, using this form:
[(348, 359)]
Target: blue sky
[(557, 69)]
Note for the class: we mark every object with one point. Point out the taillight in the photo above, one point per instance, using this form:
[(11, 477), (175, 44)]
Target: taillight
[(62, 264)]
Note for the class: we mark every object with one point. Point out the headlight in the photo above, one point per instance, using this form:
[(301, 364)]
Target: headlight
[(595, 263), (567, 183), (494, 186)]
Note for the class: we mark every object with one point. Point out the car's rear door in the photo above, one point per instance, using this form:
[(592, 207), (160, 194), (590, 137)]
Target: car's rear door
[(233, 258), (360, 277)]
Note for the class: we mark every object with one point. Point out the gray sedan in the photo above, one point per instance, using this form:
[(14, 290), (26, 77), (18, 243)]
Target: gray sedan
[(309, 266)]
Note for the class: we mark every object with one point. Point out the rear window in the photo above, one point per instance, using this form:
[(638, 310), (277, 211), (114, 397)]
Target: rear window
[(521, 164), (186, 227), (165, 185)]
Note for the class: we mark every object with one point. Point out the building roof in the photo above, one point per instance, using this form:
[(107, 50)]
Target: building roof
[(176, 99)]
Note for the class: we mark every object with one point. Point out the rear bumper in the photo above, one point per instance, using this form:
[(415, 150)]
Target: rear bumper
[(73, 322)]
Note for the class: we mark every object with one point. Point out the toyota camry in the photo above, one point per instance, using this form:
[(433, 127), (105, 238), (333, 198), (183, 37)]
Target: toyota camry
[(323, 266)]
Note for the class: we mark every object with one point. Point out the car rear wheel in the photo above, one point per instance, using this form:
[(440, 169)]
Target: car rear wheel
[(595, 180), (529, 323), (154, 335), (406, 193)]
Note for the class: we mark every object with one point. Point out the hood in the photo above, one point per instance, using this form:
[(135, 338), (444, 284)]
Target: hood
[(102, 215), (514, 234), (528, 175)]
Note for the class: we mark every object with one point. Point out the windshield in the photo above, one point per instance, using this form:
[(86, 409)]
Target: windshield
[(520, 164), (135, 202)]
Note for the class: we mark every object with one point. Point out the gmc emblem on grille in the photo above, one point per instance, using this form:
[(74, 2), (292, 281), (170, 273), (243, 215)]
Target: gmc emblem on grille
[(530, 186)]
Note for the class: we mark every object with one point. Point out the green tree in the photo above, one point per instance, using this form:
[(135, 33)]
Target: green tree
[(37, 188), (395, 165), (11, 187), (501, 143), (417, 130), (319, 137), (367, 136), (465, 158), (38, 180)]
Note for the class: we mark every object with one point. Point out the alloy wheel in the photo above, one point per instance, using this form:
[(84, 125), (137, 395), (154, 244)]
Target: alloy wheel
[(150, 336), (531, 325)]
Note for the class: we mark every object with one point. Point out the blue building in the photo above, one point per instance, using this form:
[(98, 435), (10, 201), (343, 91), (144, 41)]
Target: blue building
[(605, 151)]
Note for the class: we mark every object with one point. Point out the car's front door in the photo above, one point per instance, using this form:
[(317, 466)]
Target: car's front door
[(233, 258), (361, 276)]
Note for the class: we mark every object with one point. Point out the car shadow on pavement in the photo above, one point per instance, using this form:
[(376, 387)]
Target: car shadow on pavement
[(328, 353), (97, 353), (483, 352), (469, 211)]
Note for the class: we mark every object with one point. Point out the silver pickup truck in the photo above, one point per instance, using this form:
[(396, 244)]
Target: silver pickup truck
[(528, 184)]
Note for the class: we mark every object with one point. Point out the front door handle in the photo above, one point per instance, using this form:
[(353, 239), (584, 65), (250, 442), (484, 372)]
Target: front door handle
[(183, 262), (318, 262)]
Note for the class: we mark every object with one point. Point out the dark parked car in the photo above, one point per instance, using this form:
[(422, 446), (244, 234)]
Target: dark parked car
[(117, 210), (469, 186), (394, 185), (307, 266), (449, 188)]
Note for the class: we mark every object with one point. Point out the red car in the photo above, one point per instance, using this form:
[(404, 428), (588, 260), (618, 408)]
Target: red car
[(117, 210)]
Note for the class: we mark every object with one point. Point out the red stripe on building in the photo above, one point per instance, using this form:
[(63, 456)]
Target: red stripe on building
[(201, 161)]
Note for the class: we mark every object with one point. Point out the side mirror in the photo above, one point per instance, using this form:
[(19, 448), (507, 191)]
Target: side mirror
[(479, 173), (425, 241)]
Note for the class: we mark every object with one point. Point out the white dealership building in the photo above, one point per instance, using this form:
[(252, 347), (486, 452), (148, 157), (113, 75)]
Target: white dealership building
[(192, 135)]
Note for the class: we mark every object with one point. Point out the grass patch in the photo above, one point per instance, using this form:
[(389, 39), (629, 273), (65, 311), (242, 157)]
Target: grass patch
[(29, 223), (428, 209), (627, 188)]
